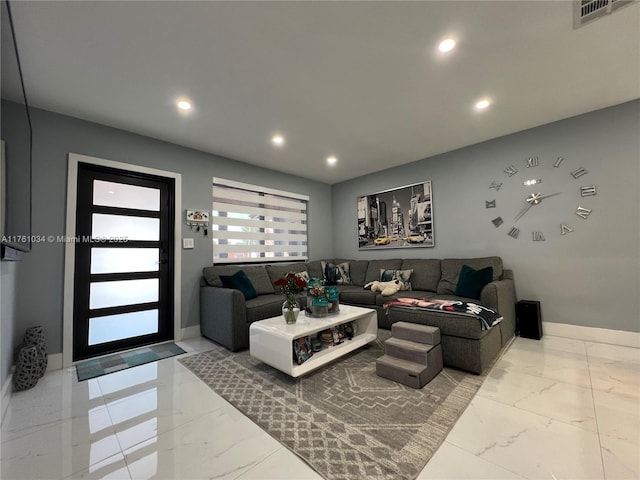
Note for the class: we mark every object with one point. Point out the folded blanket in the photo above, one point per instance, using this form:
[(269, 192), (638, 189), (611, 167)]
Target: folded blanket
[(488, 317)]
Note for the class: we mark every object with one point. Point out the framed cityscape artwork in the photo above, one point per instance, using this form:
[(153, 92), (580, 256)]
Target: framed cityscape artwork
[(397, 218)]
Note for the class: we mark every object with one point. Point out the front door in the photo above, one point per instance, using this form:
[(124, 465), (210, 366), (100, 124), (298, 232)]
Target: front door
[(123, 283)]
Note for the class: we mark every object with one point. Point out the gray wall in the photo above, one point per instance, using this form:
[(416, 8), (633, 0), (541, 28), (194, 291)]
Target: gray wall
[(8, 280), (40, 282), (590, 277)]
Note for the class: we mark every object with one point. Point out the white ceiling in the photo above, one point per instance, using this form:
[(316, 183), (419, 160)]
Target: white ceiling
[(359, 80)]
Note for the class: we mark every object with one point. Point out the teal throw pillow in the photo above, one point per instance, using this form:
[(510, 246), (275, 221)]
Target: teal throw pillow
[(471, 282), (239, 281)]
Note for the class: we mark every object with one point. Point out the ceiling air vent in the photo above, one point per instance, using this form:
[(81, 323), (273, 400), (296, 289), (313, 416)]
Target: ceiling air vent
[(585, 11)]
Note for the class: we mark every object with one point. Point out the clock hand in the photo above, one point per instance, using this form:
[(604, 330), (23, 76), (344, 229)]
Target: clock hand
[(533, 199), (548, 195), (523, 211)]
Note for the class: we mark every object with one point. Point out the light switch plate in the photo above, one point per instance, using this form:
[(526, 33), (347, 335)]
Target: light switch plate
[(187, 243)]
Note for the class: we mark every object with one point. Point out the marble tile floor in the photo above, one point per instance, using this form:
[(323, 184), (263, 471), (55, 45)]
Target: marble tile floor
[(550, 409)]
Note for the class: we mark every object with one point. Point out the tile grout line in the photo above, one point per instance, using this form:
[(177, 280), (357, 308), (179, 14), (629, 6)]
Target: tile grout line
[(115, 433), (239, 477), (595, 412)]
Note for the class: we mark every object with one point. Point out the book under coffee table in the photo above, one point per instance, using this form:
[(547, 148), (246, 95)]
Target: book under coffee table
[(271, 340)]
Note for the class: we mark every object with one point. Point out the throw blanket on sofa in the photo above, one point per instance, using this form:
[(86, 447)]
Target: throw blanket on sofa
[(487, 316)]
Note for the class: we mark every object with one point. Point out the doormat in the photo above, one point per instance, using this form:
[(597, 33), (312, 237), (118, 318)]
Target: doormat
[(97, 367), (343, 420)]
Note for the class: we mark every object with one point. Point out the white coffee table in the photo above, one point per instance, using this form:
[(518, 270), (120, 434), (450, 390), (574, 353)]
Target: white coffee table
[(271, 340)]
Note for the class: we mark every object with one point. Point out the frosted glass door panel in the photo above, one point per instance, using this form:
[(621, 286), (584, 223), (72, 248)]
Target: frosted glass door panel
[(111, 194), (124, 227), (124, 260), (123, 292), (126, 325)]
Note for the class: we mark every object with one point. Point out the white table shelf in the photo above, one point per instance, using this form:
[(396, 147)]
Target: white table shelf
[(271, 340)]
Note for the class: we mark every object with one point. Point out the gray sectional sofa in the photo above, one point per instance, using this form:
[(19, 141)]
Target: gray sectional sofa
[(225, 315)]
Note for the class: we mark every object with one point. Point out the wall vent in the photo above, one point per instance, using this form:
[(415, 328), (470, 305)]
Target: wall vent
[(585, 11)]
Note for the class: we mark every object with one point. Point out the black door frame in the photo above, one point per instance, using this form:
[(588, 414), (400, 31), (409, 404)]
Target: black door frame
[(86, 173)]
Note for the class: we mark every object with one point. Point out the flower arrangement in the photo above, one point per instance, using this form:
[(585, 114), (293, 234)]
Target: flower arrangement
[(317, 291), (290, 286)]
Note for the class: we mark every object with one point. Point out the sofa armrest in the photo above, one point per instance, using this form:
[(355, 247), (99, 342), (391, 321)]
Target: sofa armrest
[(501, 296), (223, 317)]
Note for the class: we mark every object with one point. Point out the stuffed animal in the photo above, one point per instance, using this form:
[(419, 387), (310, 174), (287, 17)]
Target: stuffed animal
[(385, 288)]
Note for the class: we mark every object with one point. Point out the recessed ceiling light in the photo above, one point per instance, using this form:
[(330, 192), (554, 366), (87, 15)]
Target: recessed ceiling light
[(447, 45), (184, 105), (278, 140), (483, 104), (331, 161)]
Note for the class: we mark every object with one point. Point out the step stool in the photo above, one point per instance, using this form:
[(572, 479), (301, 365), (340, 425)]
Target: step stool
[(413, 355)]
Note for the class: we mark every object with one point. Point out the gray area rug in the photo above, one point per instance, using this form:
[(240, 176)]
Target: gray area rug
[(342, 419)]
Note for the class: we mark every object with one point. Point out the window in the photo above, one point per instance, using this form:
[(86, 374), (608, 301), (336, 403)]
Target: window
[(252, 223)]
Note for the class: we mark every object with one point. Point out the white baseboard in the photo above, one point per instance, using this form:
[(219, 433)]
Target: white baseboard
[(5, 396), (592, 334), (190, 332), (54, 361)]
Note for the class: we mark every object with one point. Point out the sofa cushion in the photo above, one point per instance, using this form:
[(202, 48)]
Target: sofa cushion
[(257, 274), (471, 281), (426, 273), (356, 295), (259, 278), (212, 274), (264, 306), (455, 325), (314, 269), (277, 271), (240, 281), (358, 271), (374, 267), (381, 300), (450, 268), (339, 260)]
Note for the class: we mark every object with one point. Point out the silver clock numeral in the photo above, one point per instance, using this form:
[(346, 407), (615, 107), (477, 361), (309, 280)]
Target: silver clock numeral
[(558, 162), (564, 229), (497, 221), (511, 170), (532, 162), (514, 232), (495, 185), (538, 237), (588, 190), (583, 212), (489, 204), (579, 172)]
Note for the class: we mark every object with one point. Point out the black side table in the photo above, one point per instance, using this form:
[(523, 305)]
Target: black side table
[(529, 319)]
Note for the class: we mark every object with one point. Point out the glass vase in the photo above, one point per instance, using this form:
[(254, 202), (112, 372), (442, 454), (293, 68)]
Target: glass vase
[(290, 314)]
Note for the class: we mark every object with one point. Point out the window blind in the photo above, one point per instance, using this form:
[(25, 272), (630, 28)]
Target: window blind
[(250, 223)]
